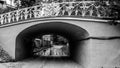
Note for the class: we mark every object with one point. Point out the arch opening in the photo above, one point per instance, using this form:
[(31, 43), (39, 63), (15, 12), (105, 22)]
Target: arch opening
[(74, 34)]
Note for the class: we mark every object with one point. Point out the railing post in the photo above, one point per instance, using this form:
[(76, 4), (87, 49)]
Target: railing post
[(13, 16), (17, 15), (5, 18), (30, 12), (9, 18), (21, 14), (83, 8), (26, 14), (69, 9), (34, 11), (1, 19)]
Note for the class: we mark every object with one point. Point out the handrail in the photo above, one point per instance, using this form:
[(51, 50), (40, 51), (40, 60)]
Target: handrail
[(81, 8)]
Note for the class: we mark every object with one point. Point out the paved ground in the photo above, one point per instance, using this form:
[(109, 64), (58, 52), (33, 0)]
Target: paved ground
[(37, 63)]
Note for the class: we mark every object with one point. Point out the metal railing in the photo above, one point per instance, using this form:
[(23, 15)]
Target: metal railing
[(90, 9)]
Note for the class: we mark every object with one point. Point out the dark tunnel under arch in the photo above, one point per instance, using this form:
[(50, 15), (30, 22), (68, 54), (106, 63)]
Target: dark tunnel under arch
[(71, 32)]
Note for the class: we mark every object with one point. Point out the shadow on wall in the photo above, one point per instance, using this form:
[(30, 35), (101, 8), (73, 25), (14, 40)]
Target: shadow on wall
[(74, 34)]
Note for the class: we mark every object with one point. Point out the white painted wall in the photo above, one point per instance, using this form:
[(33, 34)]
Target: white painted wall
[(104, 53)]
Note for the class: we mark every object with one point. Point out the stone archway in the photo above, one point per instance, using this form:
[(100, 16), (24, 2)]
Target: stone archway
[(71, 32)]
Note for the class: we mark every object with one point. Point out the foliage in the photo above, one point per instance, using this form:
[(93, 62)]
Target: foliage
[(4, 56)]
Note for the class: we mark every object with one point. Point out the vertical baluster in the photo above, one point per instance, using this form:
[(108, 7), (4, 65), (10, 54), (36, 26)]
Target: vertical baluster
[(43, 12), (13, 17), (53, 6), (35, 8), (51, 11), (21, 14), (76, 11), (5, 18), (30, 12), (91, 12), (2, 19), (35, 12), (84, 8), (63, 9), (17, 15), (26, 13), (84, 13), (40, 11), (57, 9), (70, 9), (98, 14), (9, 18)]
